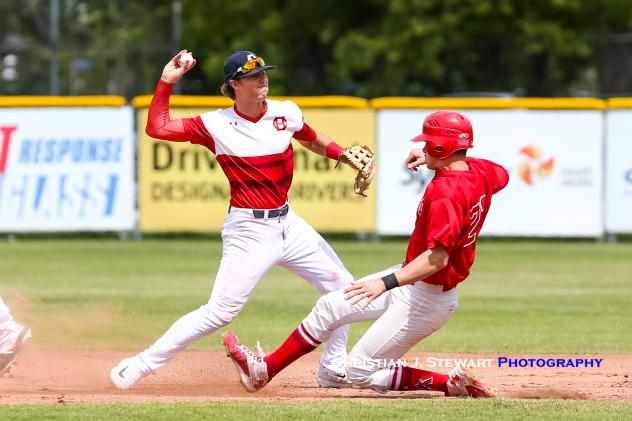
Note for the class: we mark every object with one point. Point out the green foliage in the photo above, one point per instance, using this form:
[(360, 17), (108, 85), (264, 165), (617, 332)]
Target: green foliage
[(360, 47)]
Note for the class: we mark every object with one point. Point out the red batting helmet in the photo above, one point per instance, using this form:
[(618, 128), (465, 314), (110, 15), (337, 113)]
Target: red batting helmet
[(446, 132)]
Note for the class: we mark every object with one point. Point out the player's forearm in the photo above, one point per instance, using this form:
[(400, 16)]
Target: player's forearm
[(319, 143), (159, 123), (327, 147), (314, 146), (426, 264)]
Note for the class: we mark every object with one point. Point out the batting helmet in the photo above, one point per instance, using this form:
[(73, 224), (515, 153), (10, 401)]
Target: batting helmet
[(445, 132)]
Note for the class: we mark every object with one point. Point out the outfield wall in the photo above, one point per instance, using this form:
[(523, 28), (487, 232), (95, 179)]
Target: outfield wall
[(67, 164), (554, 157), (66, 168), (618, 159)]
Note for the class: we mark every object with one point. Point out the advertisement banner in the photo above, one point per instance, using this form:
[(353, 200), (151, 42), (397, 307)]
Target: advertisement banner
[(554, 158), (66, 169), (619, 171), (183, 188)]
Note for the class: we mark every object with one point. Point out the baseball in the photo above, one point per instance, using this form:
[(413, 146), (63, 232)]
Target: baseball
[(186, 59)]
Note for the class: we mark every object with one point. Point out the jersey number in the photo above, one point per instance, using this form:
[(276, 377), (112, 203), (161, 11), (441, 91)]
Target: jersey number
[(475, 220)]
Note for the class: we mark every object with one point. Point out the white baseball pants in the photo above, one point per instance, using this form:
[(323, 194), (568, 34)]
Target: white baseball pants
[(403, 317), (250, 248), (9, 328), (5, 315)]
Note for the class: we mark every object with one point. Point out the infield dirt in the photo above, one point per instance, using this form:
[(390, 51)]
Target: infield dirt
[(46, 375)]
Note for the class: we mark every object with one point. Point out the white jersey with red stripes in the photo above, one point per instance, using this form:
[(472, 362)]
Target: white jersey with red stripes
[(255, 153)]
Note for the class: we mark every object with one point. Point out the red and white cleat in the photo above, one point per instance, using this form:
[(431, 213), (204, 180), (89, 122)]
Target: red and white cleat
[(463, 382), (252, 369)]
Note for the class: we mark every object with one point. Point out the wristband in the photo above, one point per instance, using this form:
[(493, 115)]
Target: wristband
[(333, 150), (390, 281)]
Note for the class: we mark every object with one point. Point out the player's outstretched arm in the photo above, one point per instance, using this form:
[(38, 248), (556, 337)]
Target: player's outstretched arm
[(424, 265), (318, 144), (159, 123), (427, 263), (360, 158), (321, 144)]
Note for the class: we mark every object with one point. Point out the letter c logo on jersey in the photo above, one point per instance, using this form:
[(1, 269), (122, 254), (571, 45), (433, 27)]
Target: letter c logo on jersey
[(280, 123)]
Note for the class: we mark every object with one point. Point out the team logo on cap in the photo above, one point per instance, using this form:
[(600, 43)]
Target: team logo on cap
[(463, 140), (280, 123)]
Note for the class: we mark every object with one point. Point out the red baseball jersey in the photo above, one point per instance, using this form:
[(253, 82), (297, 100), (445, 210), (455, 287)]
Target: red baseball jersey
[(451, 213)]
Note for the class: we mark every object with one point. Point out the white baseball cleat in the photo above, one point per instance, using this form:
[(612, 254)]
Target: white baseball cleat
[(7, 358), (331, 379), (128, 372), (463, 382), (252, 369)]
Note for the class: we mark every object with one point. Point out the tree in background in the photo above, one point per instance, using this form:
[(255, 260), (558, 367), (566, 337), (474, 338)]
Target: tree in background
[(356, 47)]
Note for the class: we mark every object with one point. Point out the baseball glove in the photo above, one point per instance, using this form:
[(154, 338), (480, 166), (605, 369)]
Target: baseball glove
[(361, 158)]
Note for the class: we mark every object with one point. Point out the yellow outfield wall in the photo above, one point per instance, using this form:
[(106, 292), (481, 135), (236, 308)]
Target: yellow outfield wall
[(182, 187)]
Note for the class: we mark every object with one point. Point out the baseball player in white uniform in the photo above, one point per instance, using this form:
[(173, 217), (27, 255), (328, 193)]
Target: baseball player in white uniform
[(252, 144), (12, 337)]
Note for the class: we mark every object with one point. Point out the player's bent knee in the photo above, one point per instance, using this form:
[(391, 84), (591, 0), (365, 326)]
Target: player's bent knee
[(328, 306)]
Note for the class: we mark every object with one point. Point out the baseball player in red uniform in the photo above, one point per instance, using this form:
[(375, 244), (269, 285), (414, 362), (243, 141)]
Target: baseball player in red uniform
[(410, 301), (252, 144), (12, 337)]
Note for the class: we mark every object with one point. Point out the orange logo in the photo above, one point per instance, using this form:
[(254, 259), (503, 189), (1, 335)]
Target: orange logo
[(534, 165)]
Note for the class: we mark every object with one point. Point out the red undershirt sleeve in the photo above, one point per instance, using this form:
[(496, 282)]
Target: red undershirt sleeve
[(306, 133), (160, 125)]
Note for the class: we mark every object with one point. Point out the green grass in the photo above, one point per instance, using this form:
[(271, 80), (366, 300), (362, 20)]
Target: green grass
[(539, 297), (345, 410), (522, 297)]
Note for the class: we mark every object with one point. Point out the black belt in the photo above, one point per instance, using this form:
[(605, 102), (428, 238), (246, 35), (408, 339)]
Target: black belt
[(271, 213)]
